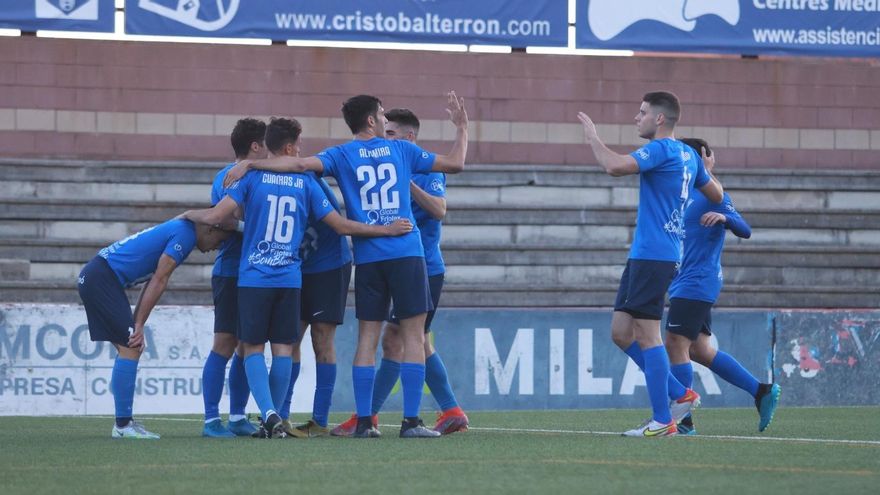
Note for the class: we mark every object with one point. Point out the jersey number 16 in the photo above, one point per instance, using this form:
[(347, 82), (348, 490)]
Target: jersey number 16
[(279, 225)]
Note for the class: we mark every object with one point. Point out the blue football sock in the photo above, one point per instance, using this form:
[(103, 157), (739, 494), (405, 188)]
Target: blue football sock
[(386, 377), (213, 375), (284, 411), (412, 380), (362, 378), (684, 373), (728, 368), (675, 387), (279, 381), (122, 384), (258, 380), (325, 380), (635, 353), (438, 381), (657, 379), (239, 390)]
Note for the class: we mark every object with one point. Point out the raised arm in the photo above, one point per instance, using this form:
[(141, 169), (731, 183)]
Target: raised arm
[(149, 297), (344, 226), (615, 164), (712, 189), (224, 215), (434, 205), (282, 164), (453, 162)]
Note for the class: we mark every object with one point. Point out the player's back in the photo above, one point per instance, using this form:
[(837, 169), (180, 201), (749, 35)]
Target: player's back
[(322, 248), (276, 210), (134, 259), (374, 177)]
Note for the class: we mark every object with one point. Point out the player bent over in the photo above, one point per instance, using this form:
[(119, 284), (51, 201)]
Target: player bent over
[(150, 256), (693, 293), (667, 176), (277, 209), (247, 142)]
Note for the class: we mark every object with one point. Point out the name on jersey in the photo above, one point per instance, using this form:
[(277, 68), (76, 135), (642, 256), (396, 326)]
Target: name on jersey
[(376, 153), (283, 180)]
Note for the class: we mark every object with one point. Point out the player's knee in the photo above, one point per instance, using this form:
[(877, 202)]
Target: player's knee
[(224, 344), (429, 347), (132, 353)]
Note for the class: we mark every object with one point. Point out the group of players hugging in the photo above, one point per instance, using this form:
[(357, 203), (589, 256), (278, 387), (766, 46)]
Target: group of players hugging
[(285, 263)]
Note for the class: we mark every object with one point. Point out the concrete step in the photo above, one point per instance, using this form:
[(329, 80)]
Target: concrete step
[(473, 235), (742, 254), (476, 175), (14, 269), (158, 211), (507, 295), (459, 195), (548, 275)]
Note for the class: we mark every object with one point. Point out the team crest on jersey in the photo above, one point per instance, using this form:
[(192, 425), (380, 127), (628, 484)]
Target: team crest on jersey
[(424, 154), (686, 156), (643, 153), (178, 247), (437, 185)]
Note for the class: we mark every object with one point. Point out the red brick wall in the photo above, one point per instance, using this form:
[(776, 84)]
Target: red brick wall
[(166, 78)]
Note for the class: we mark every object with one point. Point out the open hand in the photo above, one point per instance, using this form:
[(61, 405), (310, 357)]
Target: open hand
[(399, 227), (590, 132), (455, 108), (236, 173), (712, 218), (708, 160)]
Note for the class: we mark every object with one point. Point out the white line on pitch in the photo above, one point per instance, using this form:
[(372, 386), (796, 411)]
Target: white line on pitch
[(583, 432)]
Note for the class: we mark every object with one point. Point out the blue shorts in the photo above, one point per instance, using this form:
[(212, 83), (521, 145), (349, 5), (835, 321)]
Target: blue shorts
[(689, 317), (268, 314), (643, 287), (106, 304), (225, 304), (324, 295), (403, 280), (435, 284)]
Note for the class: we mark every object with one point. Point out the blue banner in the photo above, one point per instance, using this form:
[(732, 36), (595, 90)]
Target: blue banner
[(565, 359), (58, 15), (783, 27), (491, 22)]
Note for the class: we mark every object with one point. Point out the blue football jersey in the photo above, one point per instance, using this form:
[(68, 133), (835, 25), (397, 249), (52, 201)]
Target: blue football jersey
[(229, 253), (277, 211), (700, 276), (134, 259), (374, 177), (430, 228), (668, 172), (322, 248)]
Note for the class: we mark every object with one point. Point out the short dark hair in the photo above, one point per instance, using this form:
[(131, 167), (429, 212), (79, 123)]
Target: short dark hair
[(698, 144), (404, 117), (281, 131), (357, 109), (667, 104), (246, 132)]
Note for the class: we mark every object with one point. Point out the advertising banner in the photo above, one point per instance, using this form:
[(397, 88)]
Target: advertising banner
[(828, 358), (493, 22), (58, 15), (497, 359), (829, 28)]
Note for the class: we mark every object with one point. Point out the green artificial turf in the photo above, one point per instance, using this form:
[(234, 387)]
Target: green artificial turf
[(503, 453)]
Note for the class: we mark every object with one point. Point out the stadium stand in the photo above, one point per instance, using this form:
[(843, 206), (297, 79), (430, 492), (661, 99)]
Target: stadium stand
[(515, 235)]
